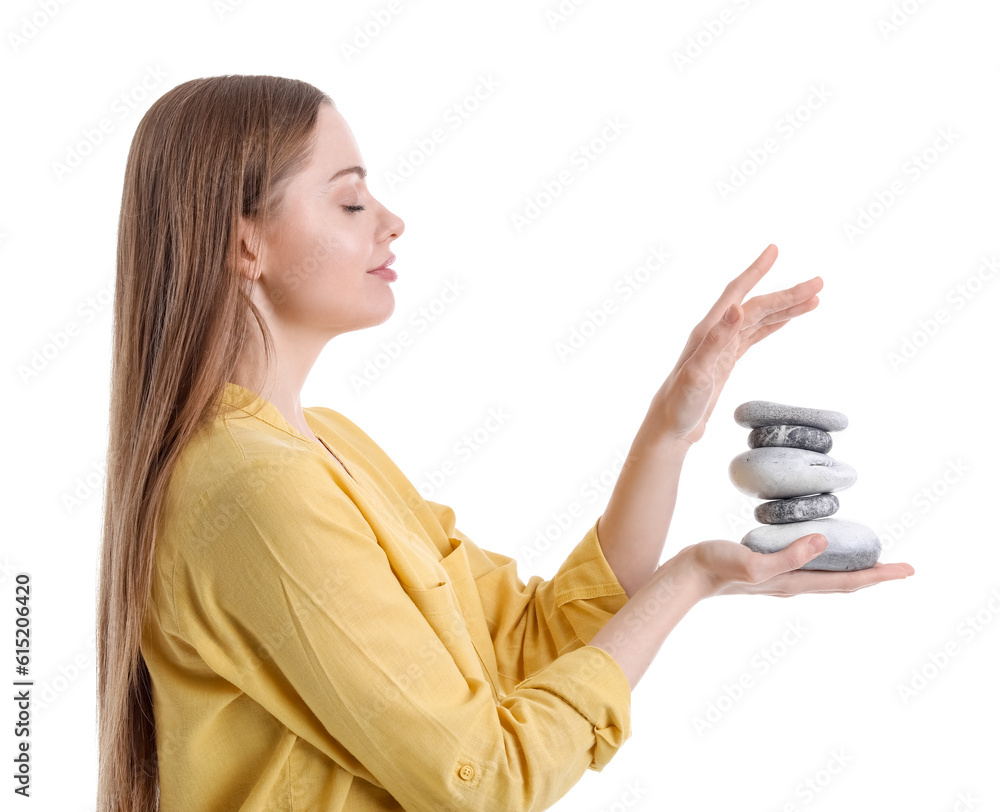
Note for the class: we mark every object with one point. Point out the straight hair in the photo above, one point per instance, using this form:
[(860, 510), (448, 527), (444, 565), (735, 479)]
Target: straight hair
[(205, 153)]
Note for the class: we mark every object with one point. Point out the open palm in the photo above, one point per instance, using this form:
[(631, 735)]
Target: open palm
[(728, 568), (685, 401)]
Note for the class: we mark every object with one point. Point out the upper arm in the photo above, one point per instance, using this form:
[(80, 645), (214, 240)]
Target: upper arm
[(284, 590)]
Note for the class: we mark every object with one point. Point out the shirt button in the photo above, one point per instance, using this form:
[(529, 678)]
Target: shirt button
[(466, 772)]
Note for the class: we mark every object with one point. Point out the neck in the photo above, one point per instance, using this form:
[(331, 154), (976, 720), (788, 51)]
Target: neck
[(282, 383)]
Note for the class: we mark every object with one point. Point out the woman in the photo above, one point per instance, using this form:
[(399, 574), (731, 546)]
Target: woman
[(284, 622)]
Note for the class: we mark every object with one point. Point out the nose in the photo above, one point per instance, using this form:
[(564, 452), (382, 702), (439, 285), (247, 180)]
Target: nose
[(394, 223)]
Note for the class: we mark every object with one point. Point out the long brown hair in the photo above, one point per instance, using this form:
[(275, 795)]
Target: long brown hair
[(206, 152)]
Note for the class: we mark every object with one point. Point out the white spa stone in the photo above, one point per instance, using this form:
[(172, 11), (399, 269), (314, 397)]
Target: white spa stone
[(850, 545), (776, 472)]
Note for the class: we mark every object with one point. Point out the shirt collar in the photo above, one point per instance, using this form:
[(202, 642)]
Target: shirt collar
[(236, 398)]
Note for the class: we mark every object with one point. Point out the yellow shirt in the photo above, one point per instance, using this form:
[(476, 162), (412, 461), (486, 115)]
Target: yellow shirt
[(326, 639)]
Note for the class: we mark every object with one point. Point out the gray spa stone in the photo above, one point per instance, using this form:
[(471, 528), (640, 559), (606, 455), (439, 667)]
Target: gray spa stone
[(799, 509), (756, 413), (850, 545), (781, 473), (791, 437)]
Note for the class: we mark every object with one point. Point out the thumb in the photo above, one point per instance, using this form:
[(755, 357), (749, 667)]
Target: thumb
[(725, 329), (733, 314), (698, 372), (704, 358), (803, 550)]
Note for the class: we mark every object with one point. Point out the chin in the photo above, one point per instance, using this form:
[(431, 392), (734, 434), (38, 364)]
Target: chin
[(386, 316), (380, 315)]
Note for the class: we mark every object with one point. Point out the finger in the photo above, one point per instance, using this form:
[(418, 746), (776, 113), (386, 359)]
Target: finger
[(762, 306), (743, 284), (738, 288), (790, 312), (761, 333), (750, 335), (699, 368), (734, 293), (757, 318), (821, 582), (832, 581)]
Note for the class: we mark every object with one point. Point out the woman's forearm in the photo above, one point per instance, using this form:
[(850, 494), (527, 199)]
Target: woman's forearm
[(635, 633), (634, 525)]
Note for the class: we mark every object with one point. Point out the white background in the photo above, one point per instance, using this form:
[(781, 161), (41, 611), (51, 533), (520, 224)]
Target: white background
[(922, 432)]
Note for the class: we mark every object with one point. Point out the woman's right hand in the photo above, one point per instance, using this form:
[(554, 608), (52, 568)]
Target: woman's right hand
[(728, 568)]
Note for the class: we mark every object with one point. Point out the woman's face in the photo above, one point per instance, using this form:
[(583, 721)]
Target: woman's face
[(315, 258)]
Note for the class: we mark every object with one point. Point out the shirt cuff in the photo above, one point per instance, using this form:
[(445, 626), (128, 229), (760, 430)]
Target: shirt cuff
[(587, 591), (591, 681)]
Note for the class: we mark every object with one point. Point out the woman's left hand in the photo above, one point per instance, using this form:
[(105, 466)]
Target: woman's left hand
[(682, 406)]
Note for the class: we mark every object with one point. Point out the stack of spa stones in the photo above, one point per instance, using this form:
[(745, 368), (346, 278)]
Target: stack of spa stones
[(788, 462)]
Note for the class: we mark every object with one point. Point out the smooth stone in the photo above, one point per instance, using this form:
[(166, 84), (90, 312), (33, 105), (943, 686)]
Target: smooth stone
[(799, 509), (791, 437), (850, 545), (756, 413), (781, 473)]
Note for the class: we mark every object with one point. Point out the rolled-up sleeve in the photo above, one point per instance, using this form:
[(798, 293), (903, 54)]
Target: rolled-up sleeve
[(533, 623), (285, 591)]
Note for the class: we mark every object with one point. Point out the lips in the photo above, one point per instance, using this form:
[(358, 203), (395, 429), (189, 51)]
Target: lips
[(386, 264)]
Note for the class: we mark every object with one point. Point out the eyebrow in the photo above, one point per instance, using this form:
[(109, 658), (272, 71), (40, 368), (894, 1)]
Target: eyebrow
[(360, 170)]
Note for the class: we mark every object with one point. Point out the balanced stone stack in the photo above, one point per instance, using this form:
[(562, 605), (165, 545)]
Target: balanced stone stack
[(789, 463)]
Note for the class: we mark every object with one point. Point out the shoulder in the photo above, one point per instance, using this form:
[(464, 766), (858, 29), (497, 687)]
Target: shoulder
[(343, 426), (243, 466), (381, 469), (348, 430)]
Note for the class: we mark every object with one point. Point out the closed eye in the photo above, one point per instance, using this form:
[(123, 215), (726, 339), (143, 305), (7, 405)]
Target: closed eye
[(355, 208)]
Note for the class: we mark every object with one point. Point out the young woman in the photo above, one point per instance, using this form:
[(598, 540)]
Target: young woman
[(284, 622)]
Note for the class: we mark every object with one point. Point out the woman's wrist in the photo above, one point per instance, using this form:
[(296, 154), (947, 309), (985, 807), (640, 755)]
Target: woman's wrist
[(659, 428), (635, 633)]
